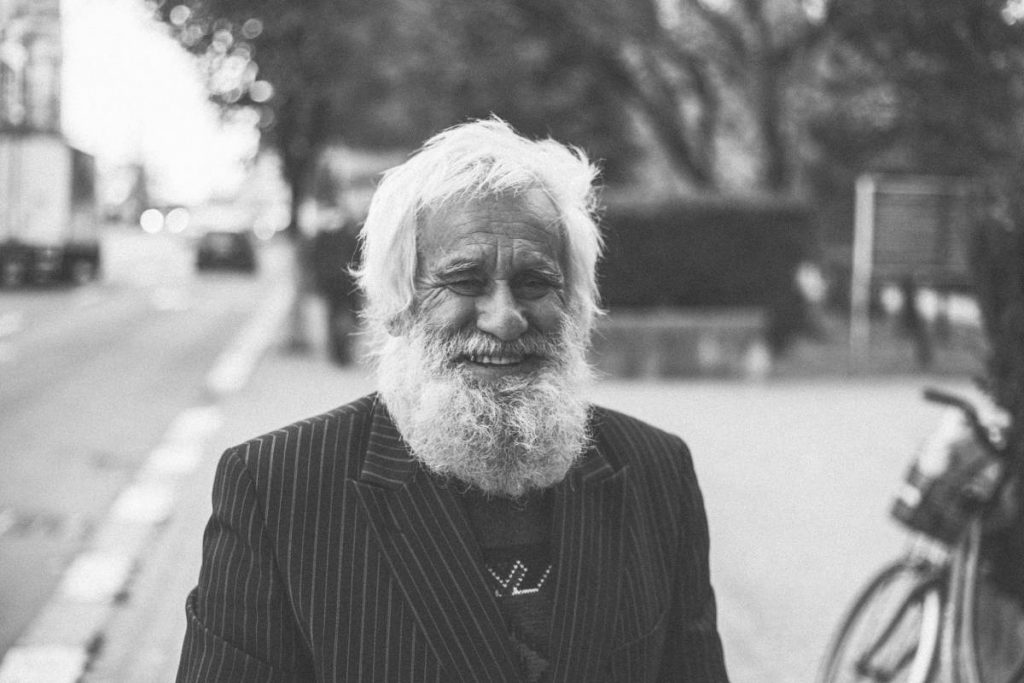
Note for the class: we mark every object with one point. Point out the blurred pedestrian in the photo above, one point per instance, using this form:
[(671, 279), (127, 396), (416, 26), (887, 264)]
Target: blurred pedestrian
[(477, 519), (332, 253)]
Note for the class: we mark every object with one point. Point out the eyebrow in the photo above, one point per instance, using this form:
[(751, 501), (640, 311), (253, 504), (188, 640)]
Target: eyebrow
[(457, 265), (462, 266)]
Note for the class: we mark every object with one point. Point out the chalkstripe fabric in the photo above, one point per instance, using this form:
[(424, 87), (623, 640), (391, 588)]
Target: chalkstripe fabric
[(331, 556)]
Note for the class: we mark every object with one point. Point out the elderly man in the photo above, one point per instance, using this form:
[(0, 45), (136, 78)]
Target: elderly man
[(477, 519)]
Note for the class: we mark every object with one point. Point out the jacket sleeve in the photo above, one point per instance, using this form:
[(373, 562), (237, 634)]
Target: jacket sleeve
[(240, 625), (693, 649)]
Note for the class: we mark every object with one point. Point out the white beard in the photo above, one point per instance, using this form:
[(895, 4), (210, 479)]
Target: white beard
[(508, 437)]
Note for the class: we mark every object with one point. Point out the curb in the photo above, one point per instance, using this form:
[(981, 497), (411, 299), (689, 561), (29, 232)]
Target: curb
[(65, 636)]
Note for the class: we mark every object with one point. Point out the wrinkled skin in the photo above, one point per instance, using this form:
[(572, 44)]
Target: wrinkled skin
[(495, 266)]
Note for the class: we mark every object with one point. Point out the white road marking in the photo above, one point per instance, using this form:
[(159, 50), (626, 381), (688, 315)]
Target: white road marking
[(95, 577), (194, 424), (235, 365), (43, 664), (6, 521), (144, 502), (174, 459)]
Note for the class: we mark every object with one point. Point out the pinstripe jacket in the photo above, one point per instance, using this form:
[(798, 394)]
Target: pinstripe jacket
[(330, 556)]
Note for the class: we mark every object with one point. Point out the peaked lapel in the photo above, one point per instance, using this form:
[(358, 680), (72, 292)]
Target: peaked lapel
[(428, 545), (589, 528)]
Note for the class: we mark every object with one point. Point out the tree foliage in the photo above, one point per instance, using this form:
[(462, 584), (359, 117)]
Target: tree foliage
[(944, 78), (389, 73), (519, 67), (319, 71), (706, 75)]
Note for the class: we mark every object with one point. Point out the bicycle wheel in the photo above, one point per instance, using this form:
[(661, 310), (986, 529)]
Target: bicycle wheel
[(891, 634), (988, 624)]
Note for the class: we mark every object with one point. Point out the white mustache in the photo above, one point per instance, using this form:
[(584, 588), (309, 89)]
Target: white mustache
[(477, 346)]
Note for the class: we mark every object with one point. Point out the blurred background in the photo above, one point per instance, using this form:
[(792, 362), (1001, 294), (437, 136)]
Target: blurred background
[(811, 207)]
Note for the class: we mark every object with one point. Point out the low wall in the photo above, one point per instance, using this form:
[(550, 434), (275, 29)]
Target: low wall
[(718, 342)]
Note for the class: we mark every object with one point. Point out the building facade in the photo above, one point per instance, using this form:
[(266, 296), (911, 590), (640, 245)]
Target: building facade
[(30, 66)]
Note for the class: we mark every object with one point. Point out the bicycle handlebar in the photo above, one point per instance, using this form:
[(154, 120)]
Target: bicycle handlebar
[(988, 435)]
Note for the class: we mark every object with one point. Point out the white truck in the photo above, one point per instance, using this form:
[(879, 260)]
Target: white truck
[(49, 219)]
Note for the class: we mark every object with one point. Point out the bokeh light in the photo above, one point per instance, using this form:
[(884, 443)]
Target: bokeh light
[(261, 91), (222, 40), (264, 228), (180, 14), (152, 221), (252, 28), (177, 220), (815, 9)]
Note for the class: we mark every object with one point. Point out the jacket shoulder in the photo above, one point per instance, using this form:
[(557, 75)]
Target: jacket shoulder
[(334, 435), (628, 437), (655, 457)]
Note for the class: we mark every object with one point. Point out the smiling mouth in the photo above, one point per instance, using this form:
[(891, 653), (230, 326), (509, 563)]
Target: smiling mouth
[(494, 361)]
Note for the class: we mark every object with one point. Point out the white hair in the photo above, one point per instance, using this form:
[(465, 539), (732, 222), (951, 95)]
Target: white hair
[(467, 162)]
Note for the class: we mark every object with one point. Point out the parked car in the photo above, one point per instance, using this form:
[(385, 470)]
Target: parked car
[(225, 249)]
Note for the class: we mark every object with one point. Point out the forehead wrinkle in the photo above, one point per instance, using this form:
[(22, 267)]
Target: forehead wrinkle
[(485, 228), (533, 259)]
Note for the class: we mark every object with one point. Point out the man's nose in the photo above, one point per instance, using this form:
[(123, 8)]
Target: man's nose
[(499, 314)]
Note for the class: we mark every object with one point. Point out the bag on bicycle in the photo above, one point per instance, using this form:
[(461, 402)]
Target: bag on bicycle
[(944, 487)]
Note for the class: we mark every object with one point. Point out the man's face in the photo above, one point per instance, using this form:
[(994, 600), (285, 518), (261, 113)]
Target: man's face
[(493, 266)]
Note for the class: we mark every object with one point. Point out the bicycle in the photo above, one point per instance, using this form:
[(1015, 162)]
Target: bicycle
[(936, 614)]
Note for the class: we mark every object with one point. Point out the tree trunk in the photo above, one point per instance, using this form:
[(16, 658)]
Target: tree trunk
[(777, 177)]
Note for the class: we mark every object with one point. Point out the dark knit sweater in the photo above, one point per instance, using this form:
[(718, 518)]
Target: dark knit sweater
[(515, 539)]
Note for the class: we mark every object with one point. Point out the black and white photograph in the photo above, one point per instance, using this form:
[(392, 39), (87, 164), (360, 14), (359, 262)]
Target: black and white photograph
[(535, 341)]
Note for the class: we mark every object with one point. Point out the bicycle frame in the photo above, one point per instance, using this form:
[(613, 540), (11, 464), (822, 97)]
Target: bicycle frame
[(920, 659), (943, 592), (959, 651)]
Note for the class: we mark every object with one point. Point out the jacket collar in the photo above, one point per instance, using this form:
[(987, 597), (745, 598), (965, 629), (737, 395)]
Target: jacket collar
[(388, 462)]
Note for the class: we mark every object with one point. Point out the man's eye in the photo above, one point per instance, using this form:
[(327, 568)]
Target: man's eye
[(534, 288), (466, 287)]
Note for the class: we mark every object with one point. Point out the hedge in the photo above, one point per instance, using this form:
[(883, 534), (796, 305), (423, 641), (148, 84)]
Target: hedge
[(722, 252)]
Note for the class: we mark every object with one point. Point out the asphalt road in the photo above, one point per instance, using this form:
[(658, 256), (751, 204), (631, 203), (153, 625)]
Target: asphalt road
[(90, 378)]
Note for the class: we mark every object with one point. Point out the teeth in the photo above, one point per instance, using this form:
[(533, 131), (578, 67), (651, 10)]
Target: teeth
[(495, 360)]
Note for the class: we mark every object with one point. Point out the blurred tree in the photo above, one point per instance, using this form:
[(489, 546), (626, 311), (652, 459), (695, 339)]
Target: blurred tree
[(705, 74), (319, 72), (392, 72), (515, 65), (941, 79)]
